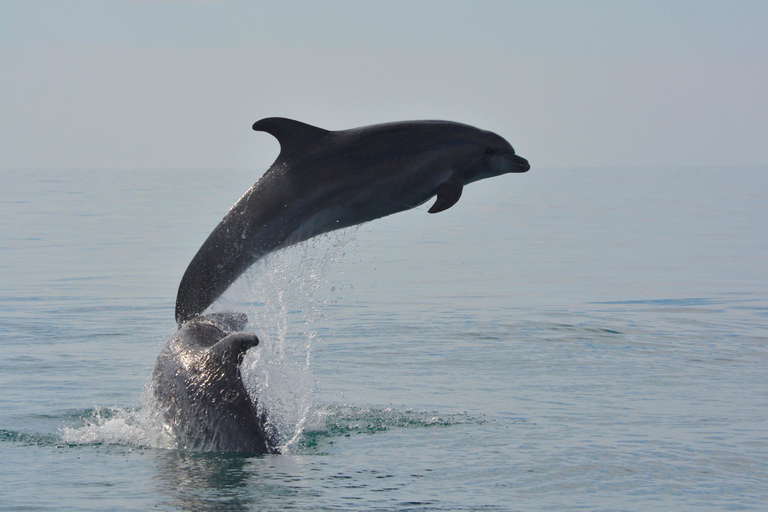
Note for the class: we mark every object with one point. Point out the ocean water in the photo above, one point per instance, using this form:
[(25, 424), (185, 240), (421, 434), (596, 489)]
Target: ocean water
[(566, 339)]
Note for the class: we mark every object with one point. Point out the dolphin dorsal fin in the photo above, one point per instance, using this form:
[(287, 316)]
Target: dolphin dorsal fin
[(292, 135), (232, 348)]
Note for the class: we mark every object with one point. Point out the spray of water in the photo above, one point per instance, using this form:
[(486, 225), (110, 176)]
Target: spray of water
[(142, 427), (284, 299), (282, 296)]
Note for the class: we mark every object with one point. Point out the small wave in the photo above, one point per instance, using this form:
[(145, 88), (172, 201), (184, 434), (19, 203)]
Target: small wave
[(143, 428), (330, 421), (99, 426), (140, 428), (27, 439)]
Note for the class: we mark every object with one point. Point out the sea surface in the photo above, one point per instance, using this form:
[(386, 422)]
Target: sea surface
[(565, 339)]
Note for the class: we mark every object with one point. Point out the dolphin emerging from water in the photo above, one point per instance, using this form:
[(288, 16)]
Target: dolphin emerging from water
[(199, 389), (325, 180)]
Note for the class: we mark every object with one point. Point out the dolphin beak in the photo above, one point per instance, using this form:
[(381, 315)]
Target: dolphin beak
[(519, 162)]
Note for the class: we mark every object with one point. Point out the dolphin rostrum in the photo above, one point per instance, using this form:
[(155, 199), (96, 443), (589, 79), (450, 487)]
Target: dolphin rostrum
[(325, 180)]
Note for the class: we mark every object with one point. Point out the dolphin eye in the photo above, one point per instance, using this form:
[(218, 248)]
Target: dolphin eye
[(490, 151)]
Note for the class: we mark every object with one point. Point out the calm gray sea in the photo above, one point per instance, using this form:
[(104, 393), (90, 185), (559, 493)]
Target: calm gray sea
[(566, 339)]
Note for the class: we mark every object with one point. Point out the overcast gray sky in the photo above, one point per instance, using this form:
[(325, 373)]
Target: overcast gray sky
[(177, 84)]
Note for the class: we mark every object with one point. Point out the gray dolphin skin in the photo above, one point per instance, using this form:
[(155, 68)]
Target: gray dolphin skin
[(321, 181), (325, 180), (197, 384)]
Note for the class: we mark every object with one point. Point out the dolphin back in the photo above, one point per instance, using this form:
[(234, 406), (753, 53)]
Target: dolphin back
[(198, 386)]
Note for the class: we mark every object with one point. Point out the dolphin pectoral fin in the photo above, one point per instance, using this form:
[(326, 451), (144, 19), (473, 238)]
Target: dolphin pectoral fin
[(292, 135), (448, 194), (232, 348)]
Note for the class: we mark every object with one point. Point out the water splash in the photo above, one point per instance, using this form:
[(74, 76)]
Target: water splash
[(282, 297), (142, 427)]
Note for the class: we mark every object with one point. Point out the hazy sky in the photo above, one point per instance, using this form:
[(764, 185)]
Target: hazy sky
[(177, 84)]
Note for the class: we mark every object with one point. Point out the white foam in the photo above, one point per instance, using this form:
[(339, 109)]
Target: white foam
[(142, 427)]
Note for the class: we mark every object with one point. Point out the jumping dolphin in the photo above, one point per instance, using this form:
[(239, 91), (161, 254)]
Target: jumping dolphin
[(325, 180), (198, 387), (321, 181)]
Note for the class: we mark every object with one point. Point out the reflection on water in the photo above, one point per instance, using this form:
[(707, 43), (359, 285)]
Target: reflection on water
[(204, 481)]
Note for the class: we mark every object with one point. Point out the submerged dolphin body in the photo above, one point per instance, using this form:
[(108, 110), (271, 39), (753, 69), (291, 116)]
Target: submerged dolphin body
[(197, 384), (326, 180)]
